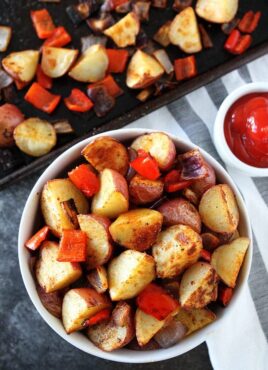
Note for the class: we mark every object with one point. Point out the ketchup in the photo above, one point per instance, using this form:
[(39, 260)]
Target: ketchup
[(246, 129)]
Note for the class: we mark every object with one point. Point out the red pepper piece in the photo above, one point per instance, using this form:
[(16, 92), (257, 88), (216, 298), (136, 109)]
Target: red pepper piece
[(146, 166), (116, 3), (242, 45), (73, 246), (37, 239), (85, 180), (43, 80), (205, 255), (185, 68), (249, 22), (99, 317), (232, 40), (155, 301), (173, 182), (111, 86), (117, 60), (42, 99), (42, 23), (225, 294), (59, 38), (78, 101)]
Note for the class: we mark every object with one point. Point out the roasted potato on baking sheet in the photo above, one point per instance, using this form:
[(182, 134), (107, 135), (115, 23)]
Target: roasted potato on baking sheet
[(98, 279), (143, 191), (21, 65), (217, 11), (117, 332), (52, 275), (195, 318), (129, 273), (227, 260), (57, 61), (162, 35), (176, 248)]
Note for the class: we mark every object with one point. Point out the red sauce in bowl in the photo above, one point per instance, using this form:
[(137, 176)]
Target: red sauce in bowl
[(246, 129)]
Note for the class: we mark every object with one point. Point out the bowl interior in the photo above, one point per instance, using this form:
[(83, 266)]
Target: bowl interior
[(31, 220)]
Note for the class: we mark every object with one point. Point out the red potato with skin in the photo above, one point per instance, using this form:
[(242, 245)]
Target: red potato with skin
[(10, 117), (98, 279), (51, 301), (143, 191), (199, 187)]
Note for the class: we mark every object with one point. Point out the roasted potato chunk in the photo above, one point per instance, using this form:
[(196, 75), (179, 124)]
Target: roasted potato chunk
[(54, 193), (57, 61), (99, 248), (137, 229), (21, 65), (5, 37), (146, 326), (162, 35), (217, 11), (106, 152), (180, 211), (159, 145), (143, 191), (227, 260), (218, 209), (79, 305), (124, 32), (184, 31), (199, 286), (98, 279), (199, 187), (176, 248), (129, 273), (51, 301), (170, 334), (112, 198), (195, 318), (52, 275), (117, 332)]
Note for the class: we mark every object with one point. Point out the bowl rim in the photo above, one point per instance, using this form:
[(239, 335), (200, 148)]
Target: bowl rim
[(122, 355), (218, 131)]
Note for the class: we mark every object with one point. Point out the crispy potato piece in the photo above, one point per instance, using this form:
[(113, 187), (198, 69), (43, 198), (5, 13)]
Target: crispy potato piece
[(210, 241), (99, 248), (143, 70), (184, 31), (143, 191), (54, 193), (124, 32), (107, 152), (91, 66), (190, 195), (98, 279), (112, 198), (170, 334), (228, 259), (51, 301), (21, 65), (180, 211), (10, 117), (137, 229), (57, 61), (195, 318), (129, 273), (117, 332), (218, 209), (217, 11), (146, 326), (79, 305), (159, 145), (52, 275), (199, 187), (199, 286), (35, 137), (5, 37), (162, 35), (176, 248)]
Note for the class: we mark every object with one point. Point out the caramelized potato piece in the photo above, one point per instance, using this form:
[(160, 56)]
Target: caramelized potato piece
[(195, 318), (170, 334), (143, 191), (5, 37), (202, 185), (57, 61), (98, 279), (162, 35), (146, 326), (21, 65), (217, 11), (51, 301)]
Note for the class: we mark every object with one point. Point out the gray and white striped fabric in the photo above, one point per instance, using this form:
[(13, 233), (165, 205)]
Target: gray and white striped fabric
[(242, 343)]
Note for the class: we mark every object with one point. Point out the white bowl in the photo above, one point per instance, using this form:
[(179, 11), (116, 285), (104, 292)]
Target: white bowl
[(218, 134), (29, 224)]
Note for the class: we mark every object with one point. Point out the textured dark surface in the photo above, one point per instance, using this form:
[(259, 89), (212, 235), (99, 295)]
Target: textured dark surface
[(26, 341), (211, 64)]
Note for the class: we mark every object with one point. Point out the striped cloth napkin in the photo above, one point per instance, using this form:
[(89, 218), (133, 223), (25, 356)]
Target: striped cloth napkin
[(241, 343)]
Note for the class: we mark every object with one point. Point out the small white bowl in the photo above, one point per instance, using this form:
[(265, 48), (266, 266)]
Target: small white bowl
[(218, 134), (30, 222)]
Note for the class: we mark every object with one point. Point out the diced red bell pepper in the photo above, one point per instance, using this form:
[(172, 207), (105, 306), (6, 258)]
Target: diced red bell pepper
[(237, 43), (59, 38), (225, 295), (43, 80), (42, 99), (85, 180), (73, 246), (111, 86), (249, 22), (117, 60), (117, 3), (146, 166), (37, 239), (185, 68), (205, 255), (78, 101), (173, 182), (99, 317), (155, 301), (42, 23), (243, 44)]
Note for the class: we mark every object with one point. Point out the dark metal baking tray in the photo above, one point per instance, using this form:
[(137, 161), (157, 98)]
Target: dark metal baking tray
[(212, 63)]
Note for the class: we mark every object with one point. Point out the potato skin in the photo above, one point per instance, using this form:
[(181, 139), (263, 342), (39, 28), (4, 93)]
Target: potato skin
[(143, 191), (176, 248), (51, 301), (200, 186), (195, 318), (10, 117), (180, 211)]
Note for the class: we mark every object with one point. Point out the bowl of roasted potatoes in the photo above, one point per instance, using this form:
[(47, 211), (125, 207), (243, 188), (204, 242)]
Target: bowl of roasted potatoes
[(135, 245)]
